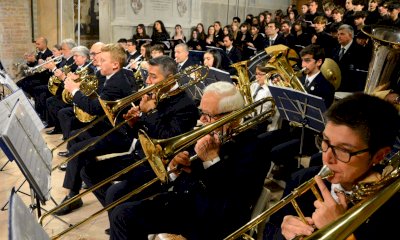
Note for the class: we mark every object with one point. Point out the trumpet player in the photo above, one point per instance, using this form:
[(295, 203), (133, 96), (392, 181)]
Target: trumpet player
[(210, 196), (38, 78), (360, 131), (132, 52)]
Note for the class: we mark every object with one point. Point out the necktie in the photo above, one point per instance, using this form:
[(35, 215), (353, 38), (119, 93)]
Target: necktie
[(227, 52), (307, 83), (271, 42), (256, 92), (179, 67), (341, 53)]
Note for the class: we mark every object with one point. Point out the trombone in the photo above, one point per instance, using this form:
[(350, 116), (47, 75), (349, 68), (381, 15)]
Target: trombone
[(112, 109), (159, 150), (325, 172)]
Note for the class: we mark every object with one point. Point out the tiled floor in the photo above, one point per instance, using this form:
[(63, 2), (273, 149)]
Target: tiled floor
[(11, 176), (94, 229)]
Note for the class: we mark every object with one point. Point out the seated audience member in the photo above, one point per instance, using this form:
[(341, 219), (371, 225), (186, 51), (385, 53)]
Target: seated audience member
[(353, 145), (210, 197), (322, 38), (195, 42), (233, 53), (212, 59)]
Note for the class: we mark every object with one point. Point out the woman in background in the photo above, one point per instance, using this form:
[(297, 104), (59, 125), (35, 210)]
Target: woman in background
[(159, 34), (178, 35)]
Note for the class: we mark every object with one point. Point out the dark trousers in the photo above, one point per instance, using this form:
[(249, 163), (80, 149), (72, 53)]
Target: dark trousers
[(30, 82), (113, 143), (54, 104), (40, 95), (68, 121)]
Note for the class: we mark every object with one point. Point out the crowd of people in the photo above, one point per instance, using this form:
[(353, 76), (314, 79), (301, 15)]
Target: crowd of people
[(211, 196)]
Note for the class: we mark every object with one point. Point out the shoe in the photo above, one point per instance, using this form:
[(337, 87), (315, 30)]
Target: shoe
[(107, 231), (53, 131), (84, 186), (63, 167), (70, 207), (64, 154)]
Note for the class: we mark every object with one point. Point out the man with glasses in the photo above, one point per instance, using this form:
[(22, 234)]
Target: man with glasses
[(210, 196), (360, 131), (173, 116)]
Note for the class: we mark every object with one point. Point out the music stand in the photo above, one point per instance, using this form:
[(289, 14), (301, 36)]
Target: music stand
[(21, 223), (24, 142), (7, 105), (6, 82), (299, 107), (196, 56)]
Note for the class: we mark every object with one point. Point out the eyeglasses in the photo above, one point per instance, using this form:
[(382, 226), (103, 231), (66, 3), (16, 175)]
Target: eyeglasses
[(260, 74), (340, 154), (209, 116), (94, 53)]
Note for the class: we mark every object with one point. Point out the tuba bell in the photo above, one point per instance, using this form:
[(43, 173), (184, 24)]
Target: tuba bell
[(243, 80), (384, 68)]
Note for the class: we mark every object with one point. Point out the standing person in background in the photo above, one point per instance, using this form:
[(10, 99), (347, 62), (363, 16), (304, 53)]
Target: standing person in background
[(210, 39), (200, 29), (140, 33), (195, 43), (178, 35), (159, 34)]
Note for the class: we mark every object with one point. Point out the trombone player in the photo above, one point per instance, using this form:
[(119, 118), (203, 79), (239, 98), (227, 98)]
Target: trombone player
[(360, 131), (210, 196), (171, 117)]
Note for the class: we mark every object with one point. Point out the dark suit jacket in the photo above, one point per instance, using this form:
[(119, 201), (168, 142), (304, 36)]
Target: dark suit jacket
[(322, 88), (209, 203), (353, 66), (132, 57), (235, 55), (188, 63), (378, 225), (117, 87)]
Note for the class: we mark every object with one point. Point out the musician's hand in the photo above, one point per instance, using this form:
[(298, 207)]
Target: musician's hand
[(392, 98), (72, 76), (314, 39), (147, 103), (144, 65), (133, 115), (293, 226), (50, 65), (70, 85), (328, 210), (207, 147), (58, 73), (40, 61), (198, 47), (30, 58), (182, 159)]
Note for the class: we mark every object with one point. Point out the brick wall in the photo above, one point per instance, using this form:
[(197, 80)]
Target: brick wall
[(15, 31)]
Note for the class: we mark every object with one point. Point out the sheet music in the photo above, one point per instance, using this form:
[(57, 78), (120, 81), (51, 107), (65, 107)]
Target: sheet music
[(298, 106), (5, 79), (30, 151), (22, 224), (7, 104)]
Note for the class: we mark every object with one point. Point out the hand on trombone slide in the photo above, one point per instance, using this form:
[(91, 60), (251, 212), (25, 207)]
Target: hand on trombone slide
[(181, 162), (132, 115), (326, 211)]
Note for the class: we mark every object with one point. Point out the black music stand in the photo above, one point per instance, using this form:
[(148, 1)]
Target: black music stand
[(196, 56), (21, 223), (299, 107)]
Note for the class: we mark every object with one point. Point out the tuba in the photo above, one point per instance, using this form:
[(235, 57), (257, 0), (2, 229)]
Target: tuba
[(384, 68), (243, 80)]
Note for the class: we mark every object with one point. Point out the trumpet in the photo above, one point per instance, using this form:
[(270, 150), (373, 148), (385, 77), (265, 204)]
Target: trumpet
[(39, 68), (325, 172), (166, 149)]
